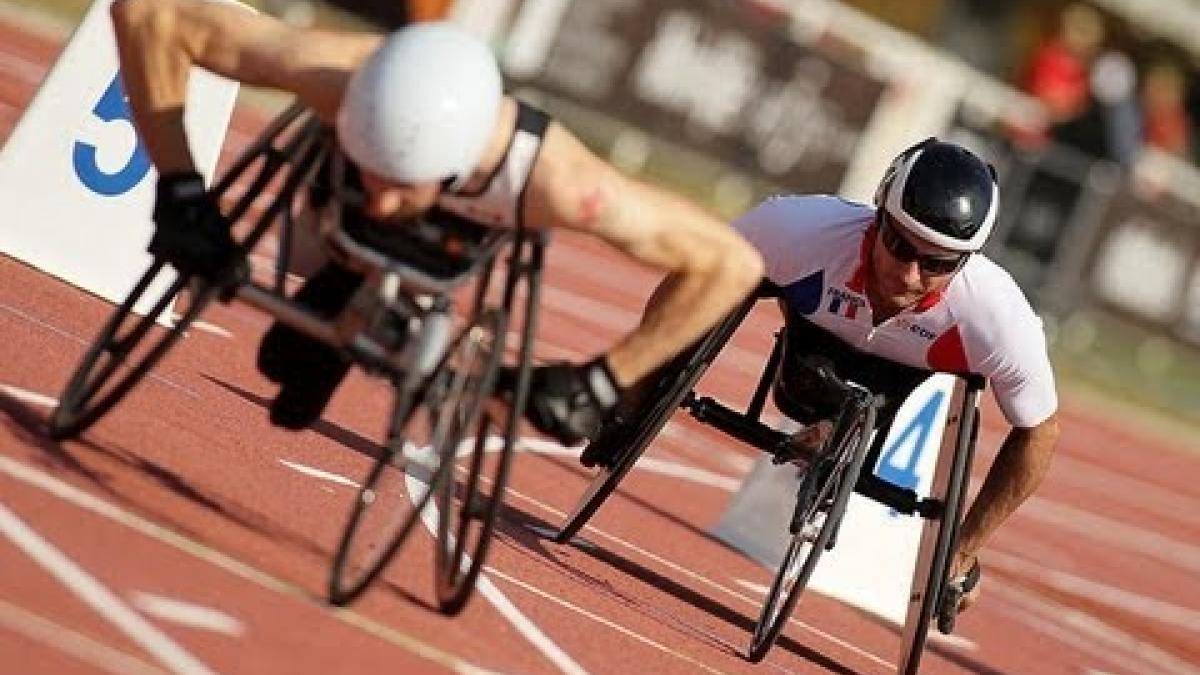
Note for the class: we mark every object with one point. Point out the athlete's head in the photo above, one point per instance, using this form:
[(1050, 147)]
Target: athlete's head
[(942, 194), (937, 204), (421, 110)]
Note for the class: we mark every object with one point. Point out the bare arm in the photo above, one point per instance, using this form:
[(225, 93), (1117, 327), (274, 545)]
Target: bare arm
[(711, 267), (159, 40), (1018, 469)]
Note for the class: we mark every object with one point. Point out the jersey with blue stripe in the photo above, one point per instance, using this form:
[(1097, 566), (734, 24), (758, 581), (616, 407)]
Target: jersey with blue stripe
[(817, 250)]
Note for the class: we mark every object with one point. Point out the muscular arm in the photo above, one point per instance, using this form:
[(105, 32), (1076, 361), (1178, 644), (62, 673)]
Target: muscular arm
[(711, 267), (1019, 467), (159, 40)]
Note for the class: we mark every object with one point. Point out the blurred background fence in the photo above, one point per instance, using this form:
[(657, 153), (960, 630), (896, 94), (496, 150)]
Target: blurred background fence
[(1088, 111), (732, 100)]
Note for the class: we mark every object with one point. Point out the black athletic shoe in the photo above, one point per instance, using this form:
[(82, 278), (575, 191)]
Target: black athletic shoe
[(303, 397), (307, 369), (606, 447)]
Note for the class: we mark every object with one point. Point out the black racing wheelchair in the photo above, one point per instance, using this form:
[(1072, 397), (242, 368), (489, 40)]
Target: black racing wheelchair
[(443, 304), (855, 396)]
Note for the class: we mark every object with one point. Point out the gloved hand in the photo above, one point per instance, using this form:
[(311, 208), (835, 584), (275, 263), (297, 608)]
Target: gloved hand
[(569, 402), (190, 232)]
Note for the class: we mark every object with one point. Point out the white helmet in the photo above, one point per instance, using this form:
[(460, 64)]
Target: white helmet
[(423, 106)]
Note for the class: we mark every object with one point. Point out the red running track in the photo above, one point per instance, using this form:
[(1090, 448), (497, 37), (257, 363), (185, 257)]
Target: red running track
[(184, 534)]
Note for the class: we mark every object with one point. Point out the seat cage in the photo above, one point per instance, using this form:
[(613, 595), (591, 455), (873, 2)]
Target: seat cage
[(413, 267), (749, 428)]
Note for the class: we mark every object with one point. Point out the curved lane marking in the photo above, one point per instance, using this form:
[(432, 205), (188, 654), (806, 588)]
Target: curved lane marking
[(319, 474), (28, 397), (601, 620), (38, 628), (103, 601), (417, 484), (40, 480), (1089, 634), (188, 614)]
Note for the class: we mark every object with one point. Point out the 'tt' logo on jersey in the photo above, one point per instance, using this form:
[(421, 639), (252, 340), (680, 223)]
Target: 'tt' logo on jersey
[(844, 303)]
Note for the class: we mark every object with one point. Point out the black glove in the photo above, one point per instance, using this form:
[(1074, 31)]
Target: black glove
[(569, 402), (190, 232)]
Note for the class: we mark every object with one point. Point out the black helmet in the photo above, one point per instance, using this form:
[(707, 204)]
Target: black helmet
[(942, 193)]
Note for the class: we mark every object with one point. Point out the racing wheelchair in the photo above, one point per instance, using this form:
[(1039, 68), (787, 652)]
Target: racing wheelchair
[(442, 306), (856, 396)]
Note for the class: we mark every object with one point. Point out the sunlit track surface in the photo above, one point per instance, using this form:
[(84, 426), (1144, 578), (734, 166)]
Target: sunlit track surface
[(184, 534)]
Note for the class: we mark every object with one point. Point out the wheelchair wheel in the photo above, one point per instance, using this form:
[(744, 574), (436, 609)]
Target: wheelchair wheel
[(403, 478), (917, 626), (479, 439), (820, 503), (631, 438), (127, 348)]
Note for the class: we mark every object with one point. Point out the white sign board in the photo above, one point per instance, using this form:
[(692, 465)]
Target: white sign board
[(871, 566), (75, 181)]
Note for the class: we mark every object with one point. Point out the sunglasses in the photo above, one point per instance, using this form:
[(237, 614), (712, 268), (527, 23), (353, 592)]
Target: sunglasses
[(903, 250)]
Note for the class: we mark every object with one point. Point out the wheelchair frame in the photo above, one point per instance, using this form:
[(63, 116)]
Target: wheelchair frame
[(634, 431), (425, 372)]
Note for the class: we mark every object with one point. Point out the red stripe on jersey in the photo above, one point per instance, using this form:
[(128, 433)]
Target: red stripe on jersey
[(858, 281), (947, 354), (927, 302)]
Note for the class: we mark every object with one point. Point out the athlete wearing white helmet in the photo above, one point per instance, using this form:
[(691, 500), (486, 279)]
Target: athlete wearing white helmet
[(422, 115), (423, 106)]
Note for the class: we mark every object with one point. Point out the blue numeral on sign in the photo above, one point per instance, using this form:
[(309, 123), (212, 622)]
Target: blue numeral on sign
[(112, 107), (906, 474)]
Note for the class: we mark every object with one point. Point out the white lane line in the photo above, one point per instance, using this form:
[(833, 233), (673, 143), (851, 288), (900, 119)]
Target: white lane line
[(39, 629), (652, 464), (1089, 634), (705, 581), (1113, 533), (188, 614), (1149, 609), (40, 480), (417, 484), (80, 341), (211, 329), (28, 397), (99, 598), (601, 620), (313, 472)]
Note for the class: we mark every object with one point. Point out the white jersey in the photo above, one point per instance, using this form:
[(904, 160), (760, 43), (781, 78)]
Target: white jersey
[(498, 203), (816, 249)]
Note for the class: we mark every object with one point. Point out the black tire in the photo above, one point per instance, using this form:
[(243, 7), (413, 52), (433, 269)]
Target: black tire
[(673, 383), (821, 501), (472, 494), (385, 512), (947, 537), (127, 347), (124, 352)]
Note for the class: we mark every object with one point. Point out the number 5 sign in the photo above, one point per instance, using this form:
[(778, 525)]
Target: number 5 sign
[(76, 186)]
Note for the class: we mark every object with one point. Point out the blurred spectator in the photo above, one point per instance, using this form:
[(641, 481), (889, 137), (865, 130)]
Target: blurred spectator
[(1057, 75), (1168, 126), (1114, 88), (1110, 126)]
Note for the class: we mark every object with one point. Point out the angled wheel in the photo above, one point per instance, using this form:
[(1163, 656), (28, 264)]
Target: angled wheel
[(127, 347), (820, 502), (402, 479), (934, 563), (479, 441), (627, 439)]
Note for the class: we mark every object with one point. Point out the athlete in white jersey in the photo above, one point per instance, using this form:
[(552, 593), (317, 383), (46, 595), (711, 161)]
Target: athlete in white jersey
[(423, 116), (896, 290)]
